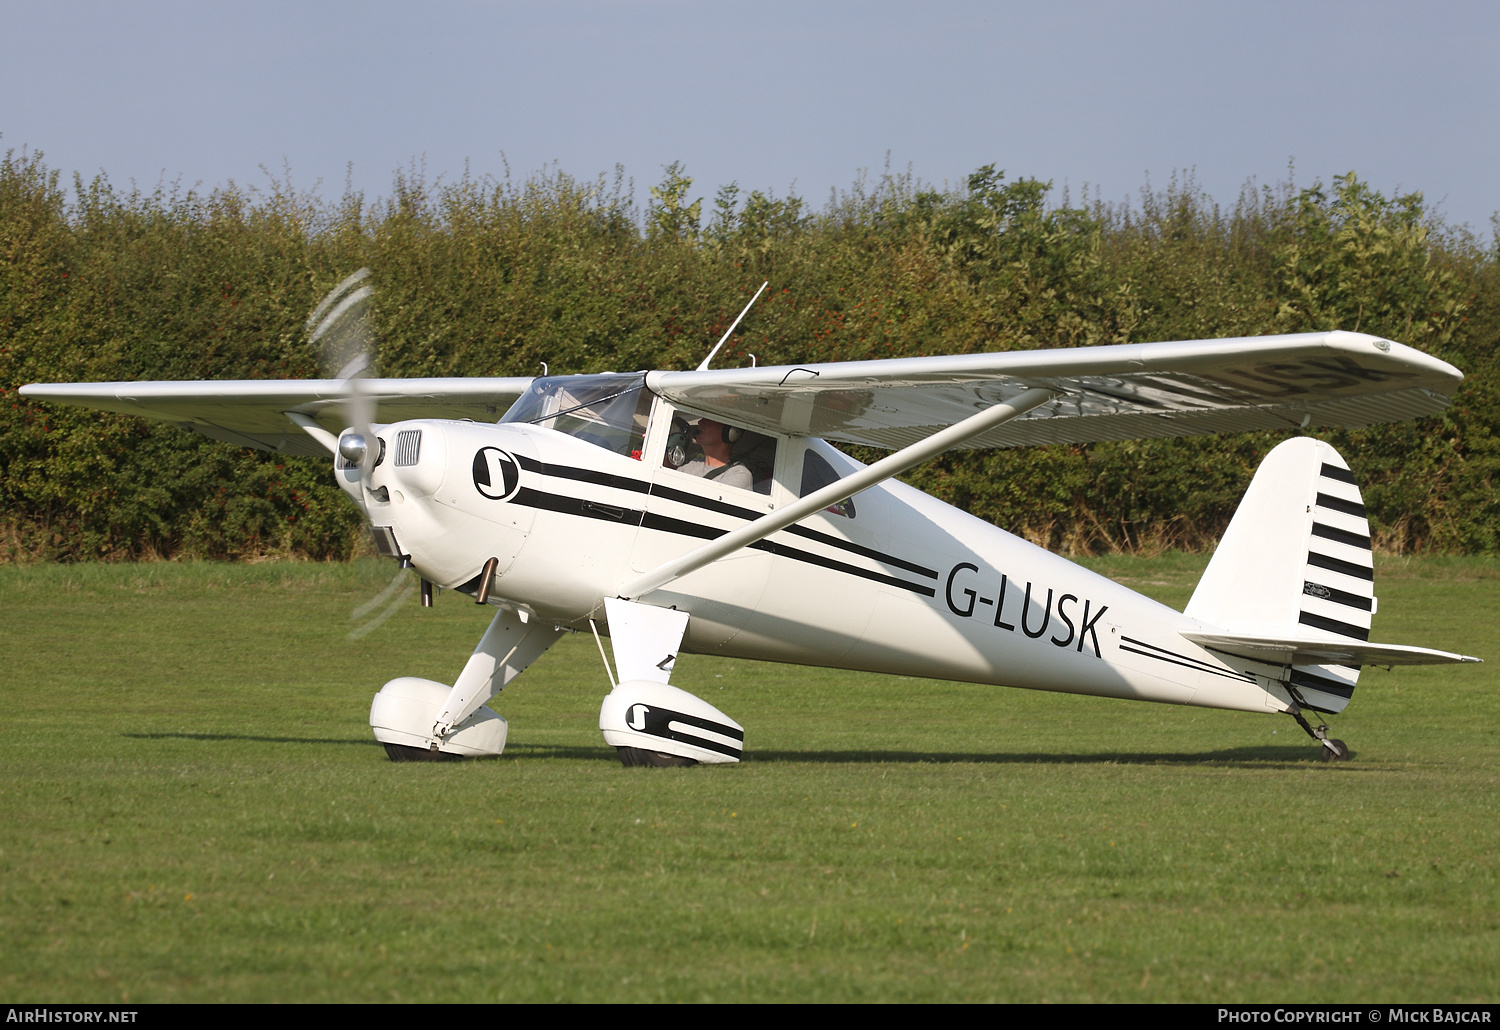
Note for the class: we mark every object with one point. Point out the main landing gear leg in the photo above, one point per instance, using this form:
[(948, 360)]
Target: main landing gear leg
[(647, 721), (1332, 750)]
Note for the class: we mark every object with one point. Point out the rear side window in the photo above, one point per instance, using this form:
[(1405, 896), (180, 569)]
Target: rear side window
[(816, 474)]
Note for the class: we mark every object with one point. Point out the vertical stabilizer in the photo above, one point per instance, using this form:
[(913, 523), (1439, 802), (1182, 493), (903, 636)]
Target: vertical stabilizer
[(1296, 561)]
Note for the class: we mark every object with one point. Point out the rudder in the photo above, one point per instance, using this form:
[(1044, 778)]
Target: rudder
[(1296, 561)]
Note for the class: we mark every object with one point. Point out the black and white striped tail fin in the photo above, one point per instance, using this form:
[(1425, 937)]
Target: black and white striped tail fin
[(1296, 563), (1338, 583)]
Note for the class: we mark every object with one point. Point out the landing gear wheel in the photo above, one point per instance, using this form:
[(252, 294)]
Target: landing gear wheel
[(407, 753), (634, 756), (1329, 754), (1329, 749)]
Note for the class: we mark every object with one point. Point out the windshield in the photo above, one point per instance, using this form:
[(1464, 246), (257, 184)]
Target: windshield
[(607, 411)]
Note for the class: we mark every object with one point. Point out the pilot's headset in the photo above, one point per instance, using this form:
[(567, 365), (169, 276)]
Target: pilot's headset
[(681, 436), (678, 439), (732, 436)]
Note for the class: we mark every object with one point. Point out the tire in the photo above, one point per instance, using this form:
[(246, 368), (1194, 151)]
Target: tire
[(1327, 755), (406, 753), (633, 757)]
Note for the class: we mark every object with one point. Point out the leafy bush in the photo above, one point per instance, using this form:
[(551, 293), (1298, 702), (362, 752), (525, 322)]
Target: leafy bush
[(496, 277)]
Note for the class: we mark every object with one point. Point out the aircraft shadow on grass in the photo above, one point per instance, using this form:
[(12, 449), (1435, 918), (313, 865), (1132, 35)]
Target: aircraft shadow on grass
[(1242, 757), (221, 737)]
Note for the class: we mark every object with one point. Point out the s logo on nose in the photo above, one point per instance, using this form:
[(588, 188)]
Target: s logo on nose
[(496, 474)]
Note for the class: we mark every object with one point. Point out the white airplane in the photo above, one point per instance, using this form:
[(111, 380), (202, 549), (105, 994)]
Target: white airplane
[(590, 501)]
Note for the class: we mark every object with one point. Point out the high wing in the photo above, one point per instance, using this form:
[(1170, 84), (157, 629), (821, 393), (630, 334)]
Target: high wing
[(253, 412), (1102, 393)]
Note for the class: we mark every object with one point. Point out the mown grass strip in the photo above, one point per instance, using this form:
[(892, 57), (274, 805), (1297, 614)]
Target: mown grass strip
[(194, 810)]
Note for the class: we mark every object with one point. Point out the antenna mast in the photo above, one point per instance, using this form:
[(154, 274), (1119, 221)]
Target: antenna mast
[(704, 365)]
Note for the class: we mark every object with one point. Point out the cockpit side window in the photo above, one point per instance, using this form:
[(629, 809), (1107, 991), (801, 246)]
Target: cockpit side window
[(816, 474), (608, 411), (726, 454)]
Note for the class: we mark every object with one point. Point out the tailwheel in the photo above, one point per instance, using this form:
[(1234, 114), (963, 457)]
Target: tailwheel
[(1333, 751), (635, 756)]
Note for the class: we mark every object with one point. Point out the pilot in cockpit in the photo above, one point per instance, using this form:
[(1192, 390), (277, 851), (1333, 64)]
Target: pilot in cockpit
[(717, 460)]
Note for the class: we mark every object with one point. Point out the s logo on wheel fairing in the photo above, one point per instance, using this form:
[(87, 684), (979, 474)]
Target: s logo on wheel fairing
[(496, 474)]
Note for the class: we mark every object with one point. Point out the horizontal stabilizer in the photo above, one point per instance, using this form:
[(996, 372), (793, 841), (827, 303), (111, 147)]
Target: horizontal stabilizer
[(1308, 651)]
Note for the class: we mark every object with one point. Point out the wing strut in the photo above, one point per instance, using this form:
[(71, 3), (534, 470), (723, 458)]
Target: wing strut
[(310, 426), (885, 468)]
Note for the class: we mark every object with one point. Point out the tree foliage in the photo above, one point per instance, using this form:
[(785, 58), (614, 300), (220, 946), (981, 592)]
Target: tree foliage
[(485, 277)]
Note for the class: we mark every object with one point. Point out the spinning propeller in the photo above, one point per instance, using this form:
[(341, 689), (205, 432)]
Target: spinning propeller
[(340, 329)]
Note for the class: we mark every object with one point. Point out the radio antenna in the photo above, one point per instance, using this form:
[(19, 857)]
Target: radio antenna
[(704, 367)]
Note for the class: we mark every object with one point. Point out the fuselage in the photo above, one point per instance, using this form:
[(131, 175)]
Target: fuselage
[(896, 582)]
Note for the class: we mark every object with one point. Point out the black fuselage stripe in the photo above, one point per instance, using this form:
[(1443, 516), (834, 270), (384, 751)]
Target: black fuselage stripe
[(1343, 629), (1188, 664), (1333, 503), (1337, 474), (678, 527), (665, 524), (1168, 651), (1182, 659), (721, 507), (838, 566), (1342, 536), (1337, 596), (580, 475), (1322, 561), (707, 503), (683, 497), (861, 550), (576, 506)]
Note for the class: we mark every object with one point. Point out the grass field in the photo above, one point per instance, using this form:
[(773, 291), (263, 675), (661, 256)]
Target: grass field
[(193, 809)]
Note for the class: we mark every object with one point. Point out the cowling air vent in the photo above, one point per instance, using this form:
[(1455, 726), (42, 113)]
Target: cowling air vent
[(408, 446)]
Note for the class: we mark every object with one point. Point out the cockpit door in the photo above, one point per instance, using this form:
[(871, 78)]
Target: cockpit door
[(685, 510)]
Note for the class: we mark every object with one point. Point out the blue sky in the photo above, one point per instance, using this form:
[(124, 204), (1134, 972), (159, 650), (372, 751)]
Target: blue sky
[(777, 96)]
